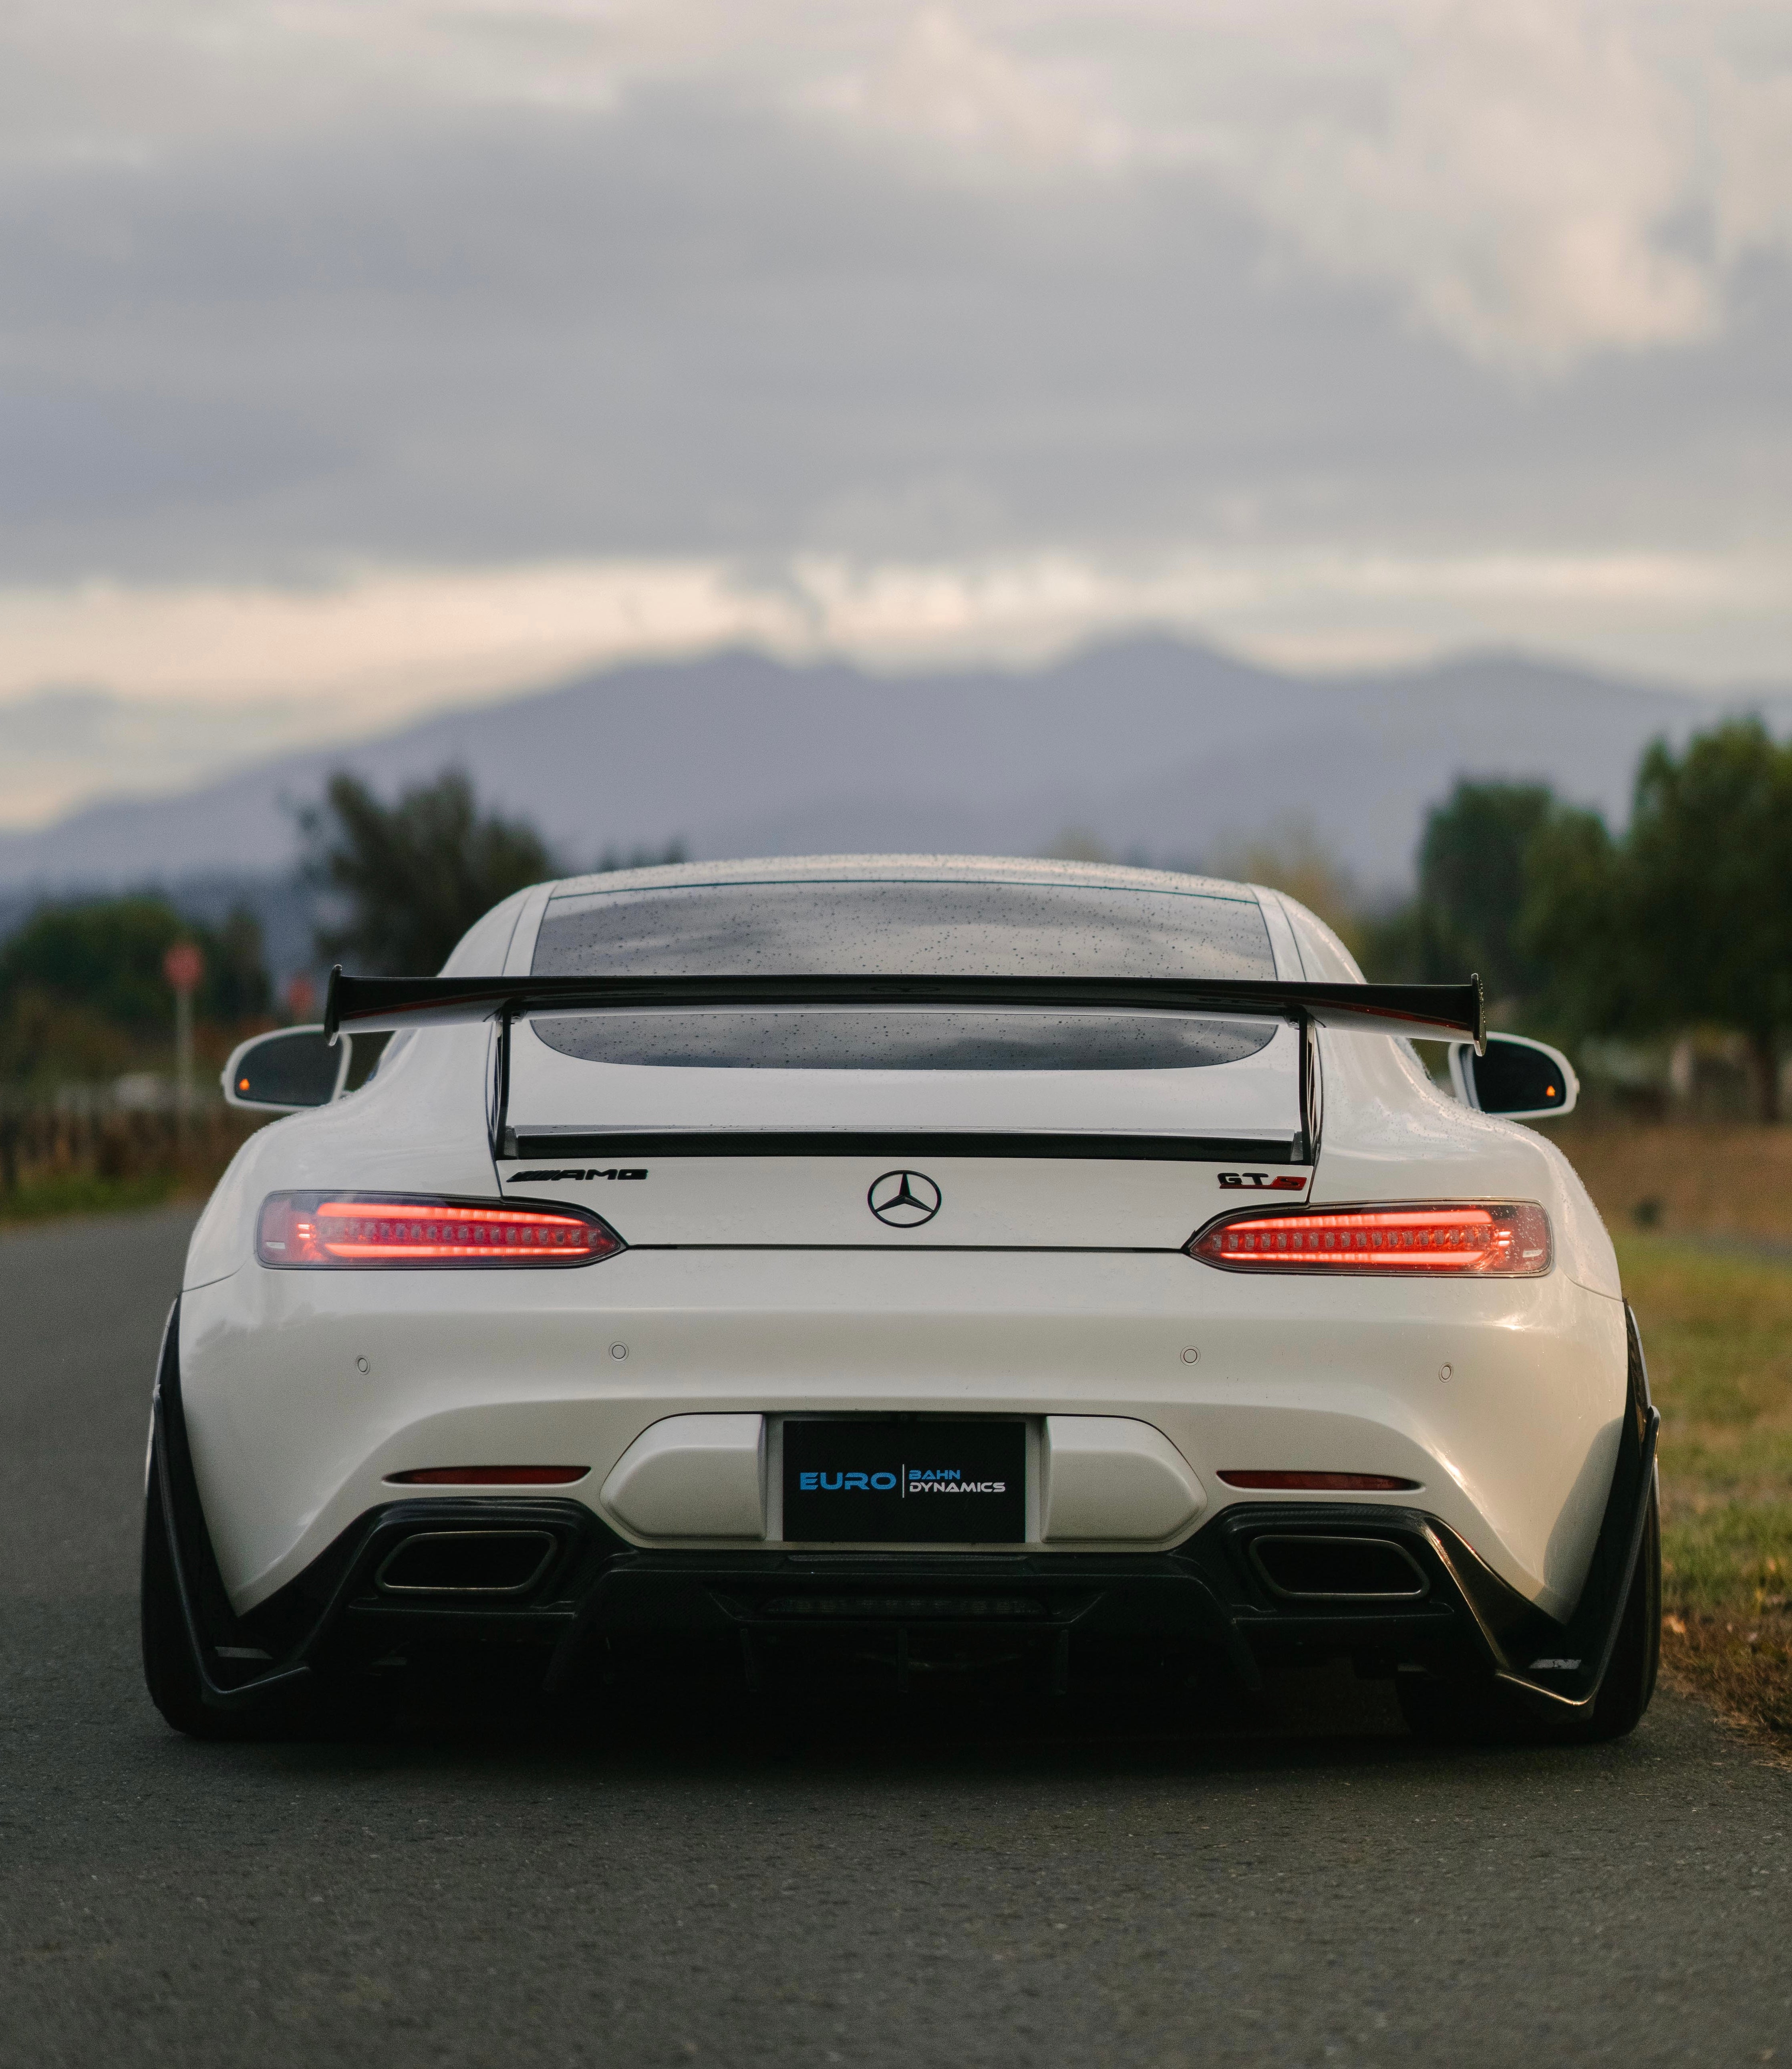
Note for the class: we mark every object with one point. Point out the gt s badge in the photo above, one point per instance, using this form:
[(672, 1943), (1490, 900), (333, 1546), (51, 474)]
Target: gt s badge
[(1260, 1181)]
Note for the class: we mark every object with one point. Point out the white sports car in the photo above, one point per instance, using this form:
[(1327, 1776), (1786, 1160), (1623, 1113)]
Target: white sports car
[(903, 1272)]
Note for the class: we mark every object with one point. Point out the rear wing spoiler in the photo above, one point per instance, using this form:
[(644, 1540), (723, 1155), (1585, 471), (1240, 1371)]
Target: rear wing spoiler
[(1440, 1012), (1443, 1012)]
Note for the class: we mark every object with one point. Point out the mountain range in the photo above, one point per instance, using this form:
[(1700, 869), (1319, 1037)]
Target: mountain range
[(1150, 747)]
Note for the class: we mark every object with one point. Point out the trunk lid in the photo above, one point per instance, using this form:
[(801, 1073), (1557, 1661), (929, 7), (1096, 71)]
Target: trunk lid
[(692, 1153)]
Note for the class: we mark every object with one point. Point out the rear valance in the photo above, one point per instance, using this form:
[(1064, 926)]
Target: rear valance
[(1442, 1012)]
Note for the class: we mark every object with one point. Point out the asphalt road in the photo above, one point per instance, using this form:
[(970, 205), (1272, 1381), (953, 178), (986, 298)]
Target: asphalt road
[(513, 1892)]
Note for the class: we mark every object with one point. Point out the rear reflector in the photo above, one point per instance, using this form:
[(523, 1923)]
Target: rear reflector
[(326, 1230), (489, 1476), (1323, 1482), (1507, 1241)]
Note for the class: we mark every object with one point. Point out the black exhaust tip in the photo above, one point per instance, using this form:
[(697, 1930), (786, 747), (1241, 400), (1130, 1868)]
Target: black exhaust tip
[(467, 1562), (1338, 1570)]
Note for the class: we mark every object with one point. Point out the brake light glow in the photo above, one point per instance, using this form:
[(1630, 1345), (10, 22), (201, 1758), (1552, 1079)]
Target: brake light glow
[(336, 1231), (1465, 1238), (489, 1476), (1322, 1483)]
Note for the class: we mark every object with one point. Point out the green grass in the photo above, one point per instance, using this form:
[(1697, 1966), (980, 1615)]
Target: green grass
[(1734, 1559), (1717, 1330), (82, 1193)]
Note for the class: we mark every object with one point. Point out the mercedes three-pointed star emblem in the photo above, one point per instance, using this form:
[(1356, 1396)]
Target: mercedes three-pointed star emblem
[(904, 1199)]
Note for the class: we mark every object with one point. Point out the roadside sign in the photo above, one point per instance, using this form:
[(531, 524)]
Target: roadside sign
[(183, 966)]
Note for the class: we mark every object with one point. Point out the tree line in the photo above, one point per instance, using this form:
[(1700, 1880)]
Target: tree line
[(83, 994), (1682, 920)]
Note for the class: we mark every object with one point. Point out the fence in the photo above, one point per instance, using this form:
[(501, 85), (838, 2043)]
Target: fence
[(98, 1137)]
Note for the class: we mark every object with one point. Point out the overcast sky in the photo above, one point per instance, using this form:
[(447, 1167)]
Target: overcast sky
[(361, 355)]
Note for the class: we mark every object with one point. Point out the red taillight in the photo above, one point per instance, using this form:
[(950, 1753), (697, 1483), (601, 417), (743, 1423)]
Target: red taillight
[(489, 1476), (1322, 1483), (326, 1230), (1507, 1241)]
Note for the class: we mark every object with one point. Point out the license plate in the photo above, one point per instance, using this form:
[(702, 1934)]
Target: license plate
[(866, 1480)]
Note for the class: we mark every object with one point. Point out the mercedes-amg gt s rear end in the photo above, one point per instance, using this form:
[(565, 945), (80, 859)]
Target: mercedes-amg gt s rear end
[(901, 1269)]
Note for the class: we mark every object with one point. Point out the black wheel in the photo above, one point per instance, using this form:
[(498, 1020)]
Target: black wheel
[(168, 1664), (1488, 1713)]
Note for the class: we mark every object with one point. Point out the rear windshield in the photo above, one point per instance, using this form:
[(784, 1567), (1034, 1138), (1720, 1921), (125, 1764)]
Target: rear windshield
[(913, 1038), (903, 928), (890, 928)]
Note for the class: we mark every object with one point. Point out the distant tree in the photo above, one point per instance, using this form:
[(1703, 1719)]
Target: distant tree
[(639, 857), (1078, 844), (1572, 925), (104, 955), (82, 992), (414, 875), (1472, 872), (1688, 919), (1292, 857), (236, 987)]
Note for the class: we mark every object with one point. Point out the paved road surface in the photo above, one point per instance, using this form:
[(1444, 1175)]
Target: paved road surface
[(739, 1895)]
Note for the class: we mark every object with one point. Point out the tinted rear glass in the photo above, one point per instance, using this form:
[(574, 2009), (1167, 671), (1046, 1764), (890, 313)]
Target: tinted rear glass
[(950, 928), (904, 1039)]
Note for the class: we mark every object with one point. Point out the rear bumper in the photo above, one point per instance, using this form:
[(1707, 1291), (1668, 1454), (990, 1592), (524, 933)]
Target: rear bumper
[(305, 1391), (1256, 1586)]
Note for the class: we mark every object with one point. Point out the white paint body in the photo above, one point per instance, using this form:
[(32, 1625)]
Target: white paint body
[(1052, 1288)]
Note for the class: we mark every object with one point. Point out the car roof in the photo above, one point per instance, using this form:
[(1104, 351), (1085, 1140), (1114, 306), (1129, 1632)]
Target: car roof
[(901, 869)]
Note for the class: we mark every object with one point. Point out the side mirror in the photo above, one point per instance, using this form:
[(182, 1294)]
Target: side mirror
[(287, 1070), (1518, 1078)]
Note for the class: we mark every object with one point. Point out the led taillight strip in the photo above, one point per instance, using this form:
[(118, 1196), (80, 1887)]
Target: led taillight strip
[(318, 1230), (1504, 1241), (393, 1229)]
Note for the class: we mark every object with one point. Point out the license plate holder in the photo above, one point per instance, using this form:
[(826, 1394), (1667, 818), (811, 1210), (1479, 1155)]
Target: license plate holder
[(870, 1479)]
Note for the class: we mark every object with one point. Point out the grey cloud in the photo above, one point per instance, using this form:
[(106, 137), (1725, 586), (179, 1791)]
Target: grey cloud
[(75, 741), (501, 333)]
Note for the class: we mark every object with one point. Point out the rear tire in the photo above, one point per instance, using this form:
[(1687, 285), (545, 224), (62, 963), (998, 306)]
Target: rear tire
[(1490, 1712)]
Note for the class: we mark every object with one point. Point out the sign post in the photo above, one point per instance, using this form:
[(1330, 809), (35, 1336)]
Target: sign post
[(183, 966)]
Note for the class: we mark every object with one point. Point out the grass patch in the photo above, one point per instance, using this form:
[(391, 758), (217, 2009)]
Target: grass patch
[(82, 1193), (1685, 1178), (1733, 1558), (1718, 1329)]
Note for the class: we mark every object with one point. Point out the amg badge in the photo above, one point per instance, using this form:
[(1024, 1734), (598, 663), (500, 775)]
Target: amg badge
[(535, 1177)]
